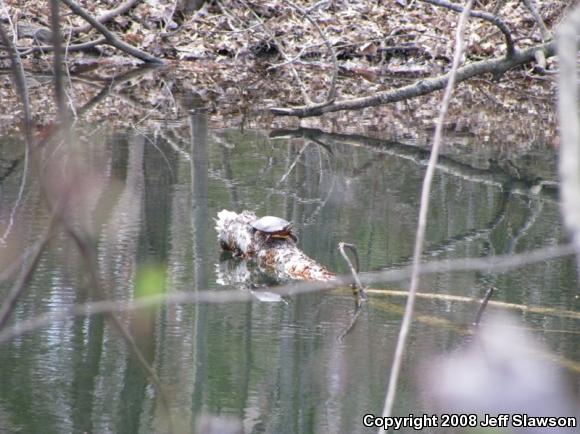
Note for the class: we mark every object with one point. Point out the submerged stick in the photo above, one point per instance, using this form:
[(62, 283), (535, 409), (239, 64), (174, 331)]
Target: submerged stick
[(360, 290), (483, 305), (350, 327), (279, 256), (539, 310)]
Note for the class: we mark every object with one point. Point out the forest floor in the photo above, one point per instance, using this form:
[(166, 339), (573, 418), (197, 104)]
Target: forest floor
[(239, 58)]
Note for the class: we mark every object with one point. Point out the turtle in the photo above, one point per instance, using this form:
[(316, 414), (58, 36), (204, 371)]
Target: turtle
[(274, 228)]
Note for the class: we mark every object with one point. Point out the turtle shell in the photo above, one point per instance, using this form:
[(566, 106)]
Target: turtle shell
[(271, 225)]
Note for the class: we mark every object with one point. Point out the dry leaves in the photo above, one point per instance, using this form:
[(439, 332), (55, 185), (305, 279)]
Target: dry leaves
[(237, 56)]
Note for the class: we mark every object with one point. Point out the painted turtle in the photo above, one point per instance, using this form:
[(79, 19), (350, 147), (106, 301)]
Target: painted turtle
[(274, 227)]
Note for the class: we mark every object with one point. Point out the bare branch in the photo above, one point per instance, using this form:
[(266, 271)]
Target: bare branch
[(57, 58), (107, 16), (306, 13), (540, 58), (423, 211), (74, 47), (21, 88), (569, 165), (542, 26), (111, 38), (422, 87), (486, 16)]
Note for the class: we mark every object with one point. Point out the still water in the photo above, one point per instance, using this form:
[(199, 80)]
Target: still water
[(276, 367)]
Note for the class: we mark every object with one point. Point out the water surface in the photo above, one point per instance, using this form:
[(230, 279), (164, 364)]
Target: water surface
[(276, 366)]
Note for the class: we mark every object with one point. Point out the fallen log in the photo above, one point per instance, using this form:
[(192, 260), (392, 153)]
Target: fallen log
[(496, 67), (279, 255)]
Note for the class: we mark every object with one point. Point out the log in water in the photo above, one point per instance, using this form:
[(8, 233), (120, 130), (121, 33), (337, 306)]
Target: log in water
[(281, 256)]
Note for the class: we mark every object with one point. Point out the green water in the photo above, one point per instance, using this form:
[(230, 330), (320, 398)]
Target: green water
[(278, 367)]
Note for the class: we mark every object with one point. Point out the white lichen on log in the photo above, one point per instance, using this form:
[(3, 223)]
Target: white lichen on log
[(280, 256)]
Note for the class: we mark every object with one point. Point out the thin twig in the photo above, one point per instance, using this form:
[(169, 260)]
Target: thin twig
[(70, 95), (483, 305), (544, 33), (423, 210), (229, 17), (19, 198), (296, 159), (486, 16), (293, 59), (305, 95), (316, 6), (498, 264), (120, 306), (111, 38), (9, 302), (492, 264), (332, 89), (230, 296), (231, 32)]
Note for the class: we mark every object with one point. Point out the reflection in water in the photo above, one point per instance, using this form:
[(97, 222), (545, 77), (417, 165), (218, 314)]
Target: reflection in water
[(272, 366)]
